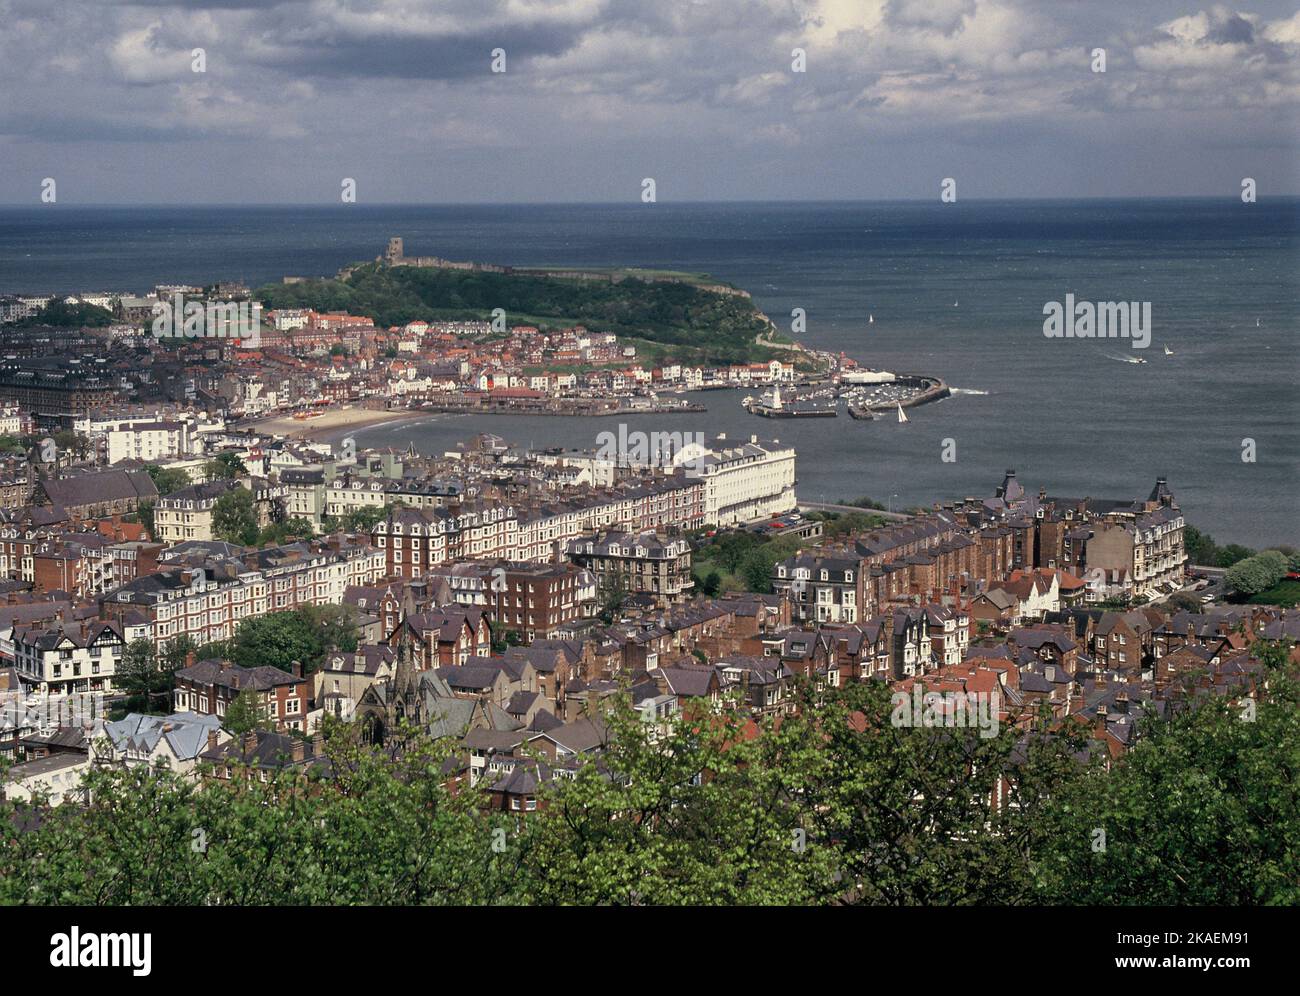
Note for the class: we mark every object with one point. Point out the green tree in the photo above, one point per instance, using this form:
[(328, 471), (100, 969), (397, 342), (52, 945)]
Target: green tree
[(145, 512), (288, 531), (1203, 811), (840, 524), (168, 480), (611, 596), (910, 805), (246, 713), (510, 639), (140, 676), (364, 519), (305, 635), (1233, 553), (1275, 560), (215, 650), (233, 518), (58, 313), (755, 568), (1201, 548), (224, 466), (863, 502), (697, 813), (72, 442), (1256, 574), (378, 830)]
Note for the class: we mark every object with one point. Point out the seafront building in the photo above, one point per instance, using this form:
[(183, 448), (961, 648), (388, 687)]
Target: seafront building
[(743, 480)]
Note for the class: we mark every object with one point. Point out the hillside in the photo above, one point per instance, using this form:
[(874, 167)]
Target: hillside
[(695, 324)]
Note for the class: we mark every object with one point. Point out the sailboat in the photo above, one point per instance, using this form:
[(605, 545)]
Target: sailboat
[(1168, 351), (954, 304), (902, 417), (871, 319)]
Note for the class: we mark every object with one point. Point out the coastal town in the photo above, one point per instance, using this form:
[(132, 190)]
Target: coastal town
[(546, 455), (206, 578), (242, 362), (161, 498)]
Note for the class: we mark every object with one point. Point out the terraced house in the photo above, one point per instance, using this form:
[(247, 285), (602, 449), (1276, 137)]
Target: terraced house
[(206, 600), (822, 587), (645, 563)]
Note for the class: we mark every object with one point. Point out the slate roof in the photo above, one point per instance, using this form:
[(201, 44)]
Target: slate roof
[(186, 732), (104, 486)]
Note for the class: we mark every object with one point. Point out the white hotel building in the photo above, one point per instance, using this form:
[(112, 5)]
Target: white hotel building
[(743, 481)]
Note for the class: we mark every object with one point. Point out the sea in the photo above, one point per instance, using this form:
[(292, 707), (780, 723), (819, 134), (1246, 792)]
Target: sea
[(958, 290)]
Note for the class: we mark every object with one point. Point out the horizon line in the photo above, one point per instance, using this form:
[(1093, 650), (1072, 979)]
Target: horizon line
[(635, 203)]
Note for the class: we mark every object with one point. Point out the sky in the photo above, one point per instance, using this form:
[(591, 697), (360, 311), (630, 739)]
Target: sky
[(597, 95)]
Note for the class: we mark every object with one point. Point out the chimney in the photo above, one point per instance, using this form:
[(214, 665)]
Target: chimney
[(317, 744), (296, 668), (299, 749), (189, 658), (250, 741), (212, 740)]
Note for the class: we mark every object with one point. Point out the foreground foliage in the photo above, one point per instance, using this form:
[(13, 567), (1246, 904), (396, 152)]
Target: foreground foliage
[(833, 805)]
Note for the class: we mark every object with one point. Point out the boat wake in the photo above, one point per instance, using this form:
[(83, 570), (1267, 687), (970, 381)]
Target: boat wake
[(965, 390)]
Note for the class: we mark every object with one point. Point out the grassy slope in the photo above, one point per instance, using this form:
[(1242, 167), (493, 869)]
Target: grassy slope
[(684, 321)]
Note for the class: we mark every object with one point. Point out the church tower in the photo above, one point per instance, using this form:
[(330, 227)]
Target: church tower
[(404, 690)]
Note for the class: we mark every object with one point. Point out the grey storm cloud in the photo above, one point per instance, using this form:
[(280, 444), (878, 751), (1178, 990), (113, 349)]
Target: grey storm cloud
[(599, 93)]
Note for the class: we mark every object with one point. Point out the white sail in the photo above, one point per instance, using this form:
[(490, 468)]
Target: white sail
[(901, 416), (1168, 351)]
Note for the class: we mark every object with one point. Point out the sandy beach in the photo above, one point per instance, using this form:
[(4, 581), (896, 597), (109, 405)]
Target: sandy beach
[(334, 422)]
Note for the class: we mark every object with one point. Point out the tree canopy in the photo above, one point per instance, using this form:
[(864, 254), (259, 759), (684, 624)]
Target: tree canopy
[(233, 518), (833, 804), (305, 634)]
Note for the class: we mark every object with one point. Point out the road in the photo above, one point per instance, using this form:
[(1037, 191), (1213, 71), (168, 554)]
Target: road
[(821, 506)]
